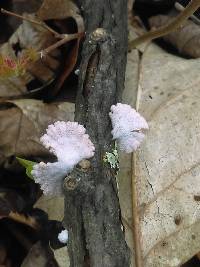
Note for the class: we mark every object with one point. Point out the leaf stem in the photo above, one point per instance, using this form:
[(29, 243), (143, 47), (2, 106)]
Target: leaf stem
[(136, 220), (135, 211), (66, 38), (166, 29), (40, 23)]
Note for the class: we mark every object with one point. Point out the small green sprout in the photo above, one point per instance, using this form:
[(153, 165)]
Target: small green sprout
[(28, 165)]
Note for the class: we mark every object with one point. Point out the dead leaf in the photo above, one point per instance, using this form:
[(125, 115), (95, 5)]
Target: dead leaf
[(24, 219), (60, 10), (3, 254), (42, 72), (10, 201), (71, 11), (130, 8), (25, 121), (70, 63), (53, 206), (51, 9), (168, 181), (13, 206), (185, 40), (29, 35), (40, 256), (20, 7), (62, 257)]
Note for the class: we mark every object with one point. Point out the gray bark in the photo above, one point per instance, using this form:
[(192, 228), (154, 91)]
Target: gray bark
[(92, 212)]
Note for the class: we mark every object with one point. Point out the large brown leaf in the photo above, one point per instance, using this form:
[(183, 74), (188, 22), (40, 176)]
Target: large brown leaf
[(40, 255), (24, 121), (51, 9), (168, 162), (60, 11)]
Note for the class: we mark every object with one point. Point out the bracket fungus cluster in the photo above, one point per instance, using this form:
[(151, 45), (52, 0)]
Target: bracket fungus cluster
[(69, 142)]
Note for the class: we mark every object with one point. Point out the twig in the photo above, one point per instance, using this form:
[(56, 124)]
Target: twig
[(135, 214), (172, 26), (64, 37), (40, 23), (67, 38), (136, 221)]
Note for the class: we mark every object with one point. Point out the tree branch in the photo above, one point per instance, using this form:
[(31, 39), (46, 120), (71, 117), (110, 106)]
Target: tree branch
[(172, 26), (67, 38), (92, 212), (39, 23)]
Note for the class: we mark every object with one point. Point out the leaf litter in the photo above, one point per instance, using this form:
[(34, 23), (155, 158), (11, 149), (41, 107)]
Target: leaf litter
[(168, 161)]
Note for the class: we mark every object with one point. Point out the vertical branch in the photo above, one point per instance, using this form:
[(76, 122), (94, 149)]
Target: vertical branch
[(92, 212), (136, 220), (135, 211)]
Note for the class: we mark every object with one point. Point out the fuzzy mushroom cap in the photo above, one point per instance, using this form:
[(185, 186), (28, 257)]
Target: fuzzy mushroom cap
[(127, 127), (70, 144)]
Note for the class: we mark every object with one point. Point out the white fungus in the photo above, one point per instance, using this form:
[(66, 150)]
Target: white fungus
[(127, 127), (70, 144), (63, 236), (77, 71)]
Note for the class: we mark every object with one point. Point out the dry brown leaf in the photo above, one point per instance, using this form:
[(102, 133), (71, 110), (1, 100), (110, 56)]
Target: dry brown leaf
[(29, 35), (3, 255), (13, 205), (24, 219), (41, 256), (20, 7), (24, 122), (71, 58), (70, 63), (62, 257), (185, 40), (130, 8), (10, 201), (54, 207), (61, 9), (51, 9), (168, 180)]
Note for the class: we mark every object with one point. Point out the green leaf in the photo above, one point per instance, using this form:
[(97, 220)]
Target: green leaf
[(28, 164)]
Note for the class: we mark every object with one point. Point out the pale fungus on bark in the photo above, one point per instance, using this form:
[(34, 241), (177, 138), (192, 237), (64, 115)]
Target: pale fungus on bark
[(128, 126), (70, 144)]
